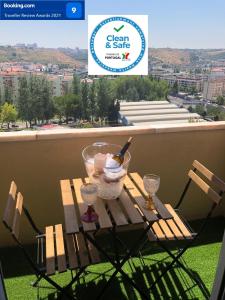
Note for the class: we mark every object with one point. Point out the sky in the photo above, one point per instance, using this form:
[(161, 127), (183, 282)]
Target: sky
[(172, 23)]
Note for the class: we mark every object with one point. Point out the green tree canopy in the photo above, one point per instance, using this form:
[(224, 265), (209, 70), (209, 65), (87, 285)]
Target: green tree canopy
[(8, 114), (85, 100), (68, 106), (221, 100), (92, 99), (35, 99), (104, 98)]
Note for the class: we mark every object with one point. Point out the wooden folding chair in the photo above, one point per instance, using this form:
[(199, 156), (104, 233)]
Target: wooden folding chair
[(56, 252), (178, 229)]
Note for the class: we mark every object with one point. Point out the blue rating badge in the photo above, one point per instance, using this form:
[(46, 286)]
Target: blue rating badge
[(74, 10)]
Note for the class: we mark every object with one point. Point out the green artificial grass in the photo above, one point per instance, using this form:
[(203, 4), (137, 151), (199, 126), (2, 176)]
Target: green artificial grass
[(202, 259)]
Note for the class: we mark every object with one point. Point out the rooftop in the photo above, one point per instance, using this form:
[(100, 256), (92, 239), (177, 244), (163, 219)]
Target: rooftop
[(155, 112)]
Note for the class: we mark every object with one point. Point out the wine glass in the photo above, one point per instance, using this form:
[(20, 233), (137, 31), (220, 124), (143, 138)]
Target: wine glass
[(89, 195), (151, 185)]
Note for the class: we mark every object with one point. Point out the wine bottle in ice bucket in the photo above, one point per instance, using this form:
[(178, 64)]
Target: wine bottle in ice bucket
[(119, 157), (107, 166)]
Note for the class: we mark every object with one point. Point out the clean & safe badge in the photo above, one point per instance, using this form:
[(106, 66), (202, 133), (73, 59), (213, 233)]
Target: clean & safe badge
[(118, 45)]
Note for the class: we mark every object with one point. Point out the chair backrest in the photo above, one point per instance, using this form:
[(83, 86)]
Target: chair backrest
[(218, 290), (215, 194), (13, 211)]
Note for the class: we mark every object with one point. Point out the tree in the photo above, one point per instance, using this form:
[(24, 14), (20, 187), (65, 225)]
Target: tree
[(175, 88), (35, 99), (8, 94), (200, 110), (67, 106), (221, 100), (23, 104), (0, 96), (104, 97), (193, 90), (114, 109), (222, 116), (190, 109), (132, 94), (76, 89), (8, 114), (85, 99), (213, 112), (59, 105), (140, 88), (92, 100), (47, 107)]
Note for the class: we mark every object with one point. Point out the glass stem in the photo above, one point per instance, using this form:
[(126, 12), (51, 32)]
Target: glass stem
[(89, 212)]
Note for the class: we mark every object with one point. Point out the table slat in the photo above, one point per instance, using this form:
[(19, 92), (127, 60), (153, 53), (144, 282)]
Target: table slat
[(104, 219), (71, 223), (139, 199), (116, 212), (82, 250), (131, 211), (72, 251), (81, 205), (94, 254), (161, 209)]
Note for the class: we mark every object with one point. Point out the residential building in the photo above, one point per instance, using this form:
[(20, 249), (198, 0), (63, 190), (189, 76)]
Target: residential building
[(184, 82), (61, 84), (214, 87), (10, 81)]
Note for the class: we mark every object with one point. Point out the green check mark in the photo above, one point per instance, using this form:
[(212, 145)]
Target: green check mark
[(118, 29)]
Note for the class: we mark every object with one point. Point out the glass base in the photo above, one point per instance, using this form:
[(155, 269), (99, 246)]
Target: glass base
[(149, 204), (90, 216)]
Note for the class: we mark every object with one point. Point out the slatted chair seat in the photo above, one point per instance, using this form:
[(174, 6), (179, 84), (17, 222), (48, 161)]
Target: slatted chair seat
[(172, 229), (57, 252)]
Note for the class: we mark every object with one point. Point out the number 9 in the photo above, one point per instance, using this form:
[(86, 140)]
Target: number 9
[(74, 10)]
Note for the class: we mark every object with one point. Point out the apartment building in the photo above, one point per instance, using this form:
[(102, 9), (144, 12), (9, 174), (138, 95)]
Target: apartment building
[(61, 84), (184, 82), (9, 83), (214, 87)]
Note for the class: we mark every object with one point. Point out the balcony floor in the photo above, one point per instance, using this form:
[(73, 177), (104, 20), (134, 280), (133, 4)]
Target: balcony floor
[(201, 259)]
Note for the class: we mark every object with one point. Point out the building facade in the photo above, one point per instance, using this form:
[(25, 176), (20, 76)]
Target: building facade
[(214, 87), (184, 82)]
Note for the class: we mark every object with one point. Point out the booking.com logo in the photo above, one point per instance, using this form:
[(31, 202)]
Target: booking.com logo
[(125, 56)]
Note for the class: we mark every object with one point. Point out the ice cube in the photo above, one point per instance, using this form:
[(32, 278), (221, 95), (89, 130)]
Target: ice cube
[(99, 162), (112, 164), (114, 176)]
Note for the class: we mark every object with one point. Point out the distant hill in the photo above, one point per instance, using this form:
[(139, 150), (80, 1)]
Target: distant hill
[(78, 57), (170, 56), (38, 55), (185, 56)]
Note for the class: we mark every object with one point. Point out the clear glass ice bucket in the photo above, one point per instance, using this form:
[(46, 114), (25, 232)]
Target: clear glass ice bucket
[(110, 181)]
